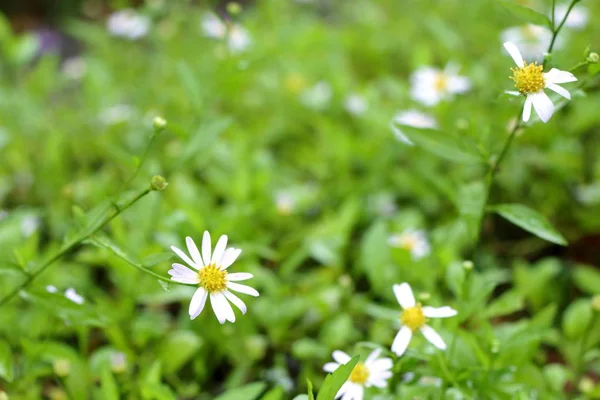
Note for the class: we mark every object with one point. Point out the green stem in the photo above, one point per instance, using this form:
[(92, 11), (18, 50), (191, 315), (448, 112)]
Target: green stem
[(556, 30), (118, 210), (553, 14)]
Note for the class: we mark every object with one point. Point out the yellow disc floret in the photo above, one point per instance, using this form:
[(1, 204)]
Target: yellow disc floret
[(441, 82), (413, 317), (212, 278), (359, 374), (529, 78)]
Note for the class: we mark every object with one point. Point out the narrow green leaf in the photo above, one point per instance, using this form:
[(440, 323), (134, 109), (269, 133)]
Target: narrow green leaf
[(524, 13), (507, 303), (333, 382), (471, 204), (309, 385), (587, 279), (108, 386), (6, 361), (250, 391), (444, 145), (530, 220), (277, 393)]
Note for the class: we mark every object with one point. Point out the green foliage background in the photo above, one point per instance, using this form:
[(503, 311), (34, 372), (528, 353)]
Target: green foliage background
[(237, 135)]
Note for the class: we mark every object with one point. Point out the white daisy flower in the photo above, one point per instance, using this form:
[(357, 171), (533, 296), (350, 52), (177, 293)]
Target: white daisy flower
[(533, 40), (430, 85), (577, 19), (414, 318), (355, 104), (531, 80), (415, 241), (128, 24), (237, 38), (213, 26), (412, 118), (374, 371), (72, 295), (209, 272)]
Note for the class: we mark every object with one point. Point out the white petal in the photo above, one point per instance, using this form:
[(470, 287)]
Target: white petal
[(401, 340), (184, 280), (514, 53), (184, 257), (404, 295), (236, 301), (330, 367), (206, 247), (439, 312), (558, 76), (381, 365), (239, 276), (400, 135), (242, 289), (193, 249), (527, 109), (198, 302), (219, 249), (180, 270), (513, 93), (543, 105), (373, 356), (229, 257), (221, 307), (433, 337), (458, 84), (560, 90), (347, 386), (341, 357)]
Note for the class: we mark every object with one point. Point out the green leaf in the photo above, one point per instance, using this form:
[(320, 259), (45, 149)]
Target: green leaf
[(576, 318), (524, 13), (177, 349), (6, 361), (309, 385), (250, 391), (471, 204), (444, 145), (277, 393), (507, 303), (333, 382), (530, 220), (108, 386), (587, 279)]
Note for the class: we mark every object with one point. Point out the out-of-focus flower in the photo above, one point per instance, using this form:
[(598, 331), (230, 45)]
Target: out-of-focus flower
[(61, 367), (411, 118), (577, 19), (317, 97), (355, 104), (51, 289), (382, 204), (210, 274), (237, 37), (374, 371), (430, 85), (118, 362), (128, 24), (294, 83), (117, 114), (72, 295), (531, 80), (285, 202), (29, 225), (74, 68), (533, 40), (415, 241), (414, 318)]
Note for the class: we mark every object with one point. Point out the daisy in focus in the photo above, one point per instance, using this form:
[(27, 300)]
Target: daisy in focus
[(430, 85), (209, 272), (412, 240), (128, 24), (531, 80), (533, 40), (411, 118), (414, 318), (374, 371), (237, 38)]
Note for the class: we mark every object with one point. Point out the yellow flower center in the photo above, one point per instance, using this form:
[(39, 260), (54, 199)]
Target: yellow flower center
[(413, 317), (359, 374), (529, 79), (212, 278), (408, 243), (441, 82)]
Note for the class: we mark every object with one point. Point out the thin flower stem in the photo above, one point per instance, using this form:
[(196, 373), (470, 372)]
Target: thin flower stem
[(72, 244), (556, 29), (553, 14)]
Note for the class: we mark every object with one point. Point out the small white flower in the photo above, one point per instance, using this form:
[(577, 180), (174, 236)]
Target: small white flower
[(118, 362), (213, 26), (117, 114), (128, 24), (374, 371), (355, 104), (414, 318), (577, 19), (533, 40), (237, 38), (430, 85), (412, 118), (74, 68), (209, 272), (51, 289), (72, 295), (531, 80), (285, 202), (318, 96), (412, 240), (29, 225)]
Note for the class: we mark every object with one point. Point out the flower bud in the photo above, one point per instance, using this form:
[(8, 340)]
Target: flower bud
[(593, 58), (158, 183), (159, 124), (61, 367), (468, 265), (234, 8)]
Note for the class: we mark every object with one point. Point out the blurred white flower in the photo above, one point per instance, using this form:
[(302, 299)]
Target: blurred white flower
[(285, 202), (209, 272), (430, 85), (374, 371), (533, 40), (382, 203), (414, 318), (411, 118), (51, 289), (72, 295), (317, 97), (128, 24), (415, 241), (29, 225), (118, 362), (355, 104), (237, 38), (531, 80), (74, 68), (577, 19), (117, 114)]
